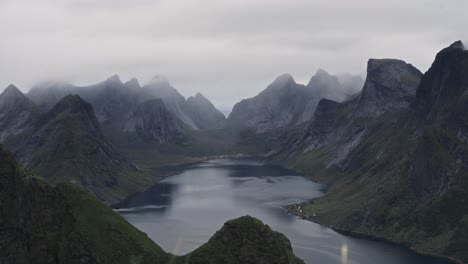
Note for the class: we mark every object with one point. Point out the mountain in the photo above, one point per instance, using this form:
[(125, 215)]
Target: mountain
[(203, 113), (114, 100), (159, 87), (40, 223), (280, 104), (17, 113), (47, 94), (152, 121), (111, 99), (390, 84), (66, 144), (285, 103), (398, 172), (337, 128), (245, 240)]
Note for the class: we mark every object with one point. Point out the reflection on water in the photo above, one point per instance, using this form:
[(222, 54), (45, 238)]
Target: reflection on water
[(182, 212)]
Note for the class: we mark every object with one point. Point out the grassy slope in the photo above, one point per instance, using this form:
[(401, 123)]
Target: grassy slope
[(375, 197), (40, 223)]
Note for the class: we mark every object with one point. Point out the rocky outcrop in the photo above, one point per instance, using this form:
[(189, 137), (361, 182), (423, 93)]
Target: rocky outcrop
[(439, 115), (66, 145), (390, 85), (152, 121), (245, 240), (17, 113)]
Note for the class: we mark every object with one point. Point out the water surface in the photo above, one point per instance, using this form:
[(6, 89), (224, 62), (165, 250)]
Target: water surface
[(182, 212)]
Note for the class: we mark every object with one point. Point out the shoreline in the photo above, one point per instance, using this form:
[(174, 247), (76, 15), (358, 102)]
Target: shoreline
[(289, 209), (177, 169)]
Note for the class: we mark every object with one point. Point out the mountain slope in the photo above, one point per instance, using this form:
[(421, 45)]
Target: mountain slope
[(67, 144), (62, 224), (152, 121), (405, 180), (281, 103), (337, 128), (285, 103), (203, 113), (40, 223), (159, 87), (17, 113)]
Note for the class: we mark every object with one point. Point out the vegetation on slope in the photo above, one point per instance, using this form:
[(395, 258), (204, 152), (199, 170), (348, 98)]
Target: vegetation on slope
[(40, 223)]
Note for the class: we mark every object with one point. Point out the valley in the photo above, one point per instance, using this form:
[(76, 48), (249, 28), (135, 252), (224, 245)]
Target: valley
[(391, 149)]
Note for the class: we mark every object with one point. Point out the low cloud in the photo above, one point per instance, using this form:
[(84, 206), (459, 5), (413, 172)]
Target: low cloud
[(227, 50)]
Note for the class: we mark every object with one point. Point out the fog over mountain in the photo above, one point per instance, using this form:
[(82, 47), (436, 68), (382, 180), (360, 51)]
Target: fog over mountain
[(213, 47)]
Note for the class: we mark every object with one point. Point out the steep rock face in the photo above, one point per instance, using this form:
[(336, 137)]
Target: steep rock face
[(66, 144), (152, 121), (390, 85), (159, 87), (203, 113), (286, 103), (443, 87), (111, 99), (281, 103), (339, 127), (439, 115), (245, 240), (406, 178), (17, 113)]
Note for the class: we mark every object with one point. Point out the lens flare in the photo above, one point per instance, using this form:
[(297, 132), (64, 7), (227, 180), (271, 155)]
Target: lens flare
[(344, 254)]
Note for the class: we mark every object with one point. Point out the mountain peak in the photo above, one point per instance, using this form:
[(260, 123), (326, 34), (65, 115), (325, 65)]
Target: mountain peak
[(390, 85), (12, 91), (159, 79), (199, 95), (374, 64), (114, 78), (457, 45), (133, 83), (322, 72), (284, 79)]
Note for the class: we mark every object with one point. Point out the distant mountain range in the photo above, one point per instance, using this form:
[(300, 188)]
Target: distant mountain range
[(113, 100), (287, 103)]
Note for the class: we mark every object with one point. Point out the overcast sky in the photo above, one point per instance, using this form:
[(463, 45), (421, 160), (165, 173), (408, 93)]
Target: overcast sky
[(227, 50)]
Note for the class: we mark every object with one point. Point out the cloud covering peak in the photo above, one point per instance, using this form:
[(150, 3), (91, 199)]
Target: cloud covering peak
[(227, 49)]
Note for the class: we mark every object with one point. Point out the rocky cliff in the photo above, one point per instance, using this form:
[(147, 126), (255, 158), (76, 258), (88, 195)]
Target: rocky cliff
[(153, 121), (17, 113), (405, 178)]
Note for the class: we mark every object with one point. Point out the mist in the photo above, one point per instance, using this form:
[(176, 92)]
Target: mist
[(212, 46)]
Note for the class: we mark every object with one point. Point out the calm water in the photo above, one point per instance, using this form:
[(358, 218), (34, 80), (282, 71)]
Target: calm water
[(182, 212)]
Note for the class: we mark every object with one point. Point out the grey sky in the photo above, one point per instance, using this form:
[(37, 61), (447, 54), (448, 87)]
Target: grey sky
[(228, 50)]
